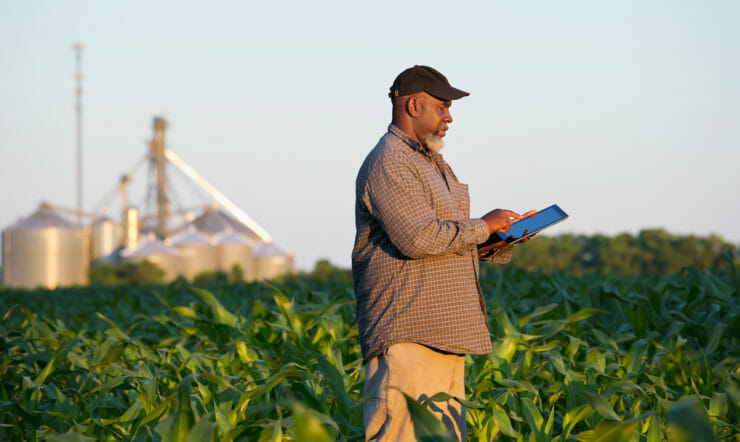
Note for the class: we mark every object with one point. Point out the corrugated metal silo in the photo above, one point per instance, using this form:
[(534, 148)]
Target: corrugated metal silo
[(45, 250), (197, 254), (131, 228), (105, 237), (235, 249), (155, 251), (271, 261)]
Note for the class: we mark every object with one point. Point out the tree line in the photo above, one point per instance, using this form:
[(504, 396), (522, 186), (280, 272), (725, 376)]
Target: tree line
[(651, 251)]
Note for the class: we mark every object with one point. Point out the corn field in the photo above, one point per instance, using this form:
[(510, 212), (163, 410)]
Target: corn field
[(587, 358)]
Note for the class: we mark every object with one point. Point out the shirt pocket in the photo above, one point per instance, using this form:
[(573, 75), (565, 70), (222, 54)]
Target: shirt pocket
[(461, 195)]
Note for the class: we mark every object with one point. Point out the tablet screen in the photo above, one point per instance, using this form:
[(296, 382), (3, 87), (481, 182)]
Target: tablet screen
[(544, 219)]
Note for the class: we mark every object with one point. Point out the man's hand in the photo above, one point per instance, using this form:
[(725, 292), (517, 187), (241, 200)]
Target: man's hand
[(499, 220), (487, 251), (522, 241)]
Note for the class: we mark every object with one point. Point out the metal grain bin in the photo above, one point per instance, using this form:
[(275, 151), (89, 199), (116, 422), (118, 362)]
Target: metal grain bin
[(45, 250), (106, 237), (131, 228), (197, 254), (271, 261), (235, 249), (214, 221), (155, 251)]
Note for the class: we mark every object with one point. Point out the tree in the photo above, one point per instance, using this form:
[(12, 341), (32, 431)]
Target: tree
[(651, 251), (126, 272)]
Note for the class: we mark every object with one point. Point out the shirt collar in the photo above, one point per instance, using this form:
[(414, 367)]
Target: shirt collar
[(435, 157), (412, 143)]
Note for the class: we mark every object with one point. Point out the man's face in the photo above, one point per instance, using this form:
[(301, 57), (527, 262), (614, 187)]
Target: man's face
[(433, 121)]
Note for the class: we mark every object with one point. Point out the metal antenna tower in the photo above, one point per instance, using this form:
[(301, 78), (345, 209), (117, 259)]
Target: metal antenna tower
[(78, 48)]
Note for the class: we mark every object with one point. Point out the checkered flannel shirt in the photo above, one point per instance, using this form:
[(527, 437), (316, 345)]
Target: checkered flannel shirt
[(415, 261)]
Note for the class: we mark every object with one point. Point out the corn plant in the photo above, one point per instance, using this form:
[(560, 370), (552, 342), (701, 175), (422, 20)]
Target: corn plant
[(575, 358)]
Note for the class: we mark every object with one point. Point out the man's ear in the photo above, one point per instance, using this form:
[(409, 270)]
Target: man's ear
[(413, 106)]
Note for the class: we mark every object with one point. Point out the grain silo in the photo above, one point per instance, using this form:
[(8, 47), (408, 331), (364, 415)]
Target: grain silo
[(45, 250), (214, 222), (155, 251), (197, 254), (235, 249), (271, 261), (105, 238)]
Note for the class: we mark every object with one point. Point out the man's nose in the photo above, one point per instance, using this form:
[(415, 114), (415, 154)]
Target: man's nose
[(448, 116)]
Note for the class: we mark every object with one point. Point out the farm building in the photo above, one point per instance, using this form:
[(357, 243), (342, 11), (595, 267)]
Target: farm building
[(45, 249)]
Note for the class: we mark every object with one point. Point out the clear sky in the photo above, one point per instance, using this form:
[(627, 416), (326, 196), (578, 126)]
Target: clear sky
[(626, 114)]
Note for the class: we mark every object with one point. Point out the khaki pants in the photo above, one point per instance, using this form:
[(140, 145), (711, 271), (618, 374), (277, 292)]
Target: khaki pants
[(420, 372)]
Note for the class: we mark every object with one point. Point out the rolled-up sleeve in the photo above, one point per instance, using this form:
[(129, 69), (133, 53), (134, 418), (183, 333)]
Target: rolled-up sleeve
[(501, 255)]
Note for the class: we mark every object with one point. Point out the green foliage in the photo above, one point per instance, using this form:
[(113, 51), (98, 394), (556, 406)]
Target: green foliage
[(236, 274), (652, 251), (210, 277), (325, 272), (690, 422), (427, 427), (125, 272), (575, 358)]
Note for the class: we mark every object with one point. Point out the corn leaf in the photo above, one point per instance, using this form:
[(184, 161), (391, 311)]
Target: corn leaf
[(600, 405), (427, 427)]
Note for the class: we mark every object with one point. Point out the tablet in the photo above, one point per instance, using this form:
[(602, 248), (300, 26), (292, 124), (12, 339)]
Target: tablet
[(545, 218)]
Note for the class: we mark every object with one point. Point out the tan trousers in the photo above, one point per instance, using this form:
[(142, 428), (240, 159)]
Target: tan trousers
[(420, 372)]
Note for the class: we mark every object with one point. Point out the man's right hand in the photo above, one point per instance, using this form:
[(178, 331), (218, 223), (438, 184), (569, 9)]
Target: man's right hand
[(499, 220)]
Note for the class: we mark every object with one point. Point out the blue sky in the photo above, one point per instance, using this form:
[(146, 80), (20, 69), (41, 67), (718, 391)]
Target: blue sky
[(623, 113)]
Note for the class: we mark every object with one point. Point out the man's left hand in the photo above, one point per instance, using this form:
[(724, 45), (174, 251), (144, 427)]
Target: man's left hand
[(487, 251)]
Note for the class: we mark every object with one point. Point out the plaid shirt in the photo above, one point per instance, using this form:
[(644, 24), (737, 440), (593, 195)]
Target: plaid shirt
[(415, 261)]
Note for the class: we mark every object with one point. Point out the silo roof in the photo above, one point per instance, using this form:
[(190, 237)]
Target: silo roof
[(189, 236), (231, 237), (268, 249), (150, 246), (42, 218), (214, 220)]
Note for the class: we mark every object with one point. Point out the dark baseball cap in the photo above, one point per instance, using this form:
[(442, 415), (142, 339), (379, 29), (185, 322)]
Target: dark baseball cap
[(425, 79)]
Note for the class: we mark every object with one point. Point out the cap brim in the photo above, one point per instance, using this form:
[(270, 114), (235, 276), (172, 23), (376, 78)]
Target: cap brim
[(448, 93)]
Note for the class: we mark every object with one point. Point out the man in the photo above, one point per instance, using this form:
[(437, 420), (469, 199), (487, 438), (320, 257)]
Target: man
[(415, 263)]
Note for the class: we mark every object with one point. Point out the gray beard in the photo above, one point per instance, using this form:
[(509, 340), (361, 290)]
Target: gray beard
[(433, 142)]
